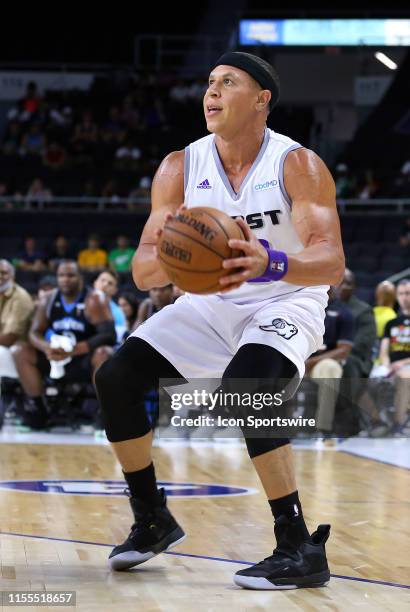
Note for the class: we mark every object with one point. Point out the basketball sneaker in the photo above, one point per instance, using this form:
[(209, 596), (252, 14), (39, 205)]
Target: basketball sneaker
[(295, 563), (154, 531)]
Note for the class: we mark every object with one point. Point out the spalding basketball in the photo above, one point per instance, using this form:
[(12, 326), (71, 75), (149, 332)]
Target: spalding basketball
[(193, 246)]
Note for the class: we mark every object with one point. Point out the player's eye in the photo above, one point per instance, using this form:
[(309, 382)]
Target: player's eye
[(227, 81)]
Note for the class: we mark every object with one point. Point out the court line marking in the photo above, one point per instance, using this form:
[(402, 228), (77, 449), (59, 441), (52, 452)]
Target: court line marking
[(353, 454), (176, 554)]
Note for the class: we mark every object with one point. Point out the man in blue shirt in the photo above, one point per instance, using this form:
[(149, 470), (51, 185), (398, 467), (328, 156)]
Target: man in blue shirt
[(107, 284)]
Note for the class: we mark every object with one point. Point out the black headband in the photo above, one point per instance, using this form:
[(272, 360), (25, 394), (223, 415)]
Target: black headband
[(257, 68)]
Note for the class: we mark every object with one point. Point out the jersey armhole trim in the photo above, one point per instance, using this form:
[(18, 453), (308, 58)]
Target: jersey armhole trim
[(281, 166), (186, 167), (50, 303)]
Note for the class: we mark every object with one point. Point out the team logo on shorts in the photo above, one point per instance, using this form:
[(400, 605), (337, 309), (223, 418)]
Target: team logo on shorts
[(282, 328)]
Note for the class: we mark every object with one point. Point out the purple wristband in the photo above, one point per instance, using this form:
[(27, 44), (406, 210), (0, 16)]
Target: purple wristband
[(276, 268)]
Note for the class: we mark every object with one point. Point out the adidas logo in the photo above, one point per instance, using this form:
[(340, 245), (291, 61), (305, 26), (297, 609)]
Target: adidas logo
[(204, 185)]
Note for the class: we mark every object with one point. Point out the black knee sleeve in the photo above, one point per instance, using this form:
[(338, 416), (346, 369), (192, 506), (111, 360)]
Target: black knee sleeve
[(260, 446), (121, 384)]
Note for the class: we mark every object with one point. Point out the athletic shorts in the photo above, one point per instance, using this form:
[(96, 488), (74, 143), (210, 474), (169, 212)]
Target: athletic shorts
[(200, 335), (78, 370)]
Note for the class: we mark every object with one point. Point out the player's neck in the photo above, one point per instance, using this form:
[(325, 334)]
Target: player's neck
[(240, 150)]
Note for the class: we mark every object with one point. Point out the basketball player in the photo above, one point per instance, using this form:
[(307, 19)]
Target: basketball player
[(280, 193)]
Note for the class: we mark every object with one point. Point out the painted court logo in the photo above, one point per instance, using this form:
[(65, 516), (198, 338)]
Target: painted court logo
[(204, 185), (115, 488), (281, 327)]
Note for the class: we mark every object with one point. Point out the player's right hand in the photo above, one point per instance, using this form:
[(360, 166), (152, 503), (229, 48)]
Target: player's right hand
[(56, 354), (168, 217)]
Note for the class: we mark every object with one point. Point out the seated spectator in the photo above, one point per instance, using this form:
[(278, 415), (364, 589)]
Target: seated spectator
[(106, 285), (45, 285), (179, 92), (93, 259), (85, 135), (115, 124), (61, 252), (12, 139), (405, 233), (326, 365), (38, 193), (395, 356), (345, 184), (71, 314), (30, 258), (142, 192), (401, 187), (384, 309), (33, 142), (120, 258), (129, 114), (370, 187), (360, 360), (16, 309), (54, 156), (158, 298), (110, 192), (129, 304), (31, 101)]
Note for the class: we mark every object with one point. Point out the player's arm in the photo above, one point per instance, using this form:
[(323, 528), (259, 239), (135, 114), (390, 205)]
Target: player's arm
[(311, 189), (167, 195), (384, 354), (39, 327)]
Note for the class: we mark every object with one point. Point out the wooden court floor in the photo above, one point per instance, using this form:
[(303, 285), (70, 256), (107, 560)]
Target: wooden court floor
[(58, 542)]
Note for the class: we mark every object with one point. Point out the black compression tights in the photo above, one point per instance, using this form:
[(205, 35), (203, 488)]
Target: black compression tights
[(136, 368)]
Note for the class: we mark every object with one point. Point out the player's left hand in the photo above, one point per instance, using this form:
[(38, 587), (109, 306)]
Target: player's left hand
[(251, 264)]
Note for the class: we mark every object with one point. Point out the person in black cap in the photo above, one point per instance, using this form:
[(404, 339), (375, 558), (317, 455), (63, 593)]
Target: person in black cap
[(263, 324)]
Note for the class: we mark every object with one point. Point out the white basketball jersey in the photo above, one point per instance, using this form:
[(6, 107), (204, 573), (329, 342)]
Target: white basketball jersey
[(262, 201)]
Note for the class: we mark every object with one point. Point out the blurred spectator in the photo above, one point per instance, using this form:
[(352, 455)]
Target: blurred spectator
[(38, 193), (30, 258), (31, 101), (111, 192), (33, 142), (370, 187), (142, 191), (72, 312), (384, 309), (360, 360), (120, 258), (115, 124), (129, 114), (85, 135), (93, 259), (16, 309), (405, 233), (179, 92), (129, 304), (159, 297), (61, 252), (46, 283), (177, 292), (326, 365), (106, 284), (12, 140), (54, 156), (395, 356), (345, 184), (401, 187)]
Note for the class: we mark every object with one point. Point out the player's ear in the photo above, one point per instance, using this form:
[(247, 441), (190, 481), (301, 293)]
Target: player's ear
[(262, 103)]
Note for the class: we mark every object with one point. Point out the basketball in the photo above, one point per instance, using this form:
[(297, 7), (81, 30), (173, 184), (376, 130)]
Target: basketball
[(193, 246)]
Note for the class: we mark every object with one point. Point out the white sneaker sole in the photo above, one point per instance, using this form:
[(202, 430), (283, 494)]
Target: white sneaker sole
[(262, 584), (131, 558)]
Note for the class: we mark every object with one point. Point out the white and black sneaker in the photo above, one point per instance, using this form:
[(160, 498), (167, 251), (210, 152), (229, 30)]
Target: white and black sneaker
[(154, 531), (291, 565)]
